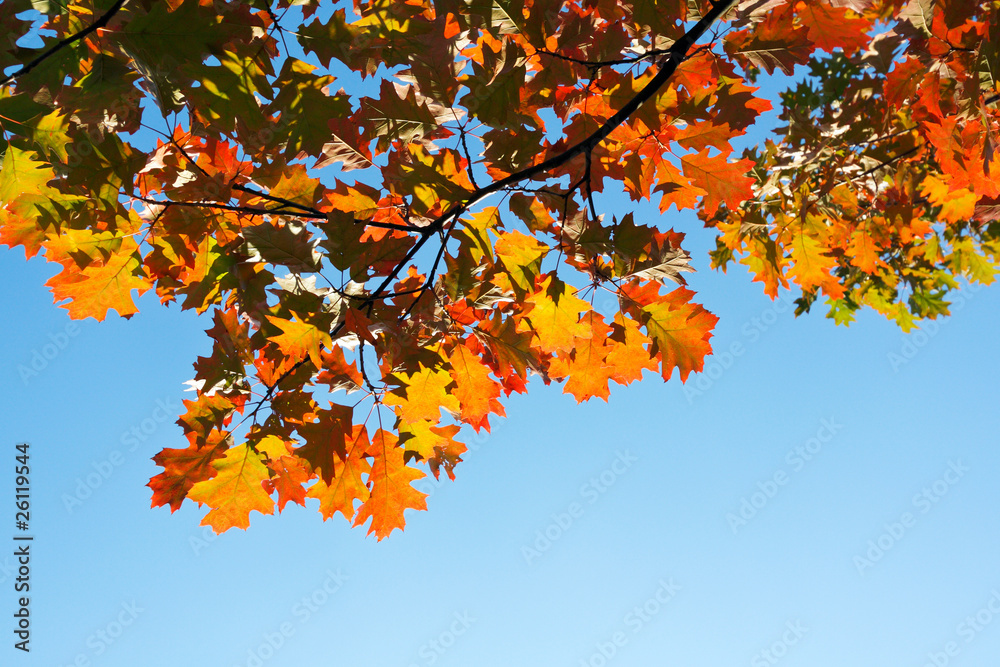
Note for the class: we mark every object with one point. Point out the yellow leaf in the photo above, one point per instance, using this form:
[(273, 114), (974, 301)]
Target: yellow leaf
[(555, 316), (235, 491)]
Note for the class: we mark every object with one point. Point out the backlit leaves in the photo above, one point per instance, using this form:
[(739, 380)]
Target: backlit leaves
[(416, 216), (234, 491)]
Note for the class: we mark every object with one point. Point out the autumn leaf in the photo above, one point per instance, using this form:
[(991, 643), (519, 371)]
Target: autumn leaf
[(522, 257), (391, 491), (586, 367), (475, 391), (435, 265), (234, 491), (327, 439), (102, 286), (183, 468), (723, 181), (300, 340), (832, 27), (955, 205), (422, 395), (338, 491), (555, 315), (434, 444), (287, 481), (680, 330), (629, 351)]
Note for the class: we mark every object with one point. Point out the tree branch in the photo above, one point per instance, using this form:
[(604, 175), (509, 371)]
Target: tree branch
[(675, 56), (99, 23)]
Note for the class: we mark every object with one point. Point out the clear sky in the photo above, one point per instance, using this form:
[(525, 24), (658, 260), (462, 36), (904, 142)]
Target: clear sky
[(561, 523), (822, 496)]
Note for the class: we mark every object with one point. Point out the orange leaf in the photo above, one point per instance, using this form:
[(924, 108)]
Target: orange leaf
[(300, 340), (698, 136), (956, 205), (723, 181), (327, 439), (97, 289), (235, 491), (522, 257), (831, 27), (812, 265), (629, 355), (434, 444), (475, 391), (391, 492), (183, 468), (555, 316), (289, 476), (338, 493), (586, 365), (680, 330), (864, 251)]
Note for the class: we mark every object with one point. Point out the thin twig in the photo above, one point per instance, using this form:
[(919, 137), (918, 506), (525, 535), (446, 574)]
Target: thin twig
[(62, 44)]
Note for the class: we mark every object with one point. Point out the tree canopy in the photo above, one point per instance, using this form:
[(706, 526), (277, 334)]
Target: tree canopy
[(392, 209)]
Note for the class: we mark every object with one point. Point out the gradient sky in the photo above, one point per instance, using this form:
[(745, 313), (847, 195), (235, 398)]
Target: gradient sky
[(822, 496), (473, 573)]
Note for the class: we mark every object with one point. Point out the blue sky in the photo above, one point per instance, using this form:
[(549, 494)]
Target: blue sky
[(821, 496), (561, 523)]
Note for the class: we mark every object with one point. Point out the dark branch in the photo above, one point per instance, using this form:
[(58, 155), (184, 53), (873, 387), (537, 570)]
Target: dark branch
[(595, 64), (890, 161), (99, 23), (675, 56)]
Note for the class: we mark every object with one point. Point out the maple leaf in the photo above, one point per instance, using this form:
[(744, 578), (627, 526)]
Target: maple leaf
[(522, 257), (434, 444), (864, 251), (391, 492), (183, 468), (555, 315), (327, 439), (475, 391), (832, 27), (628, 355), (774, 43), (698, 136), (422, 395), (877, 187), (234, 491), (956, 205), (338, 491), (288, 245), (300, 340), (811, 265), (586, 366), (287, 481), (723, 181), (101, 287), (680, 330)]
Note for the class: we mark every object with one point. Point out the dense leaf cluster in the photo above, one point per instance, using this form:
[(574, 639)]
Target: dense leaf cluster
[(390, 208)]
